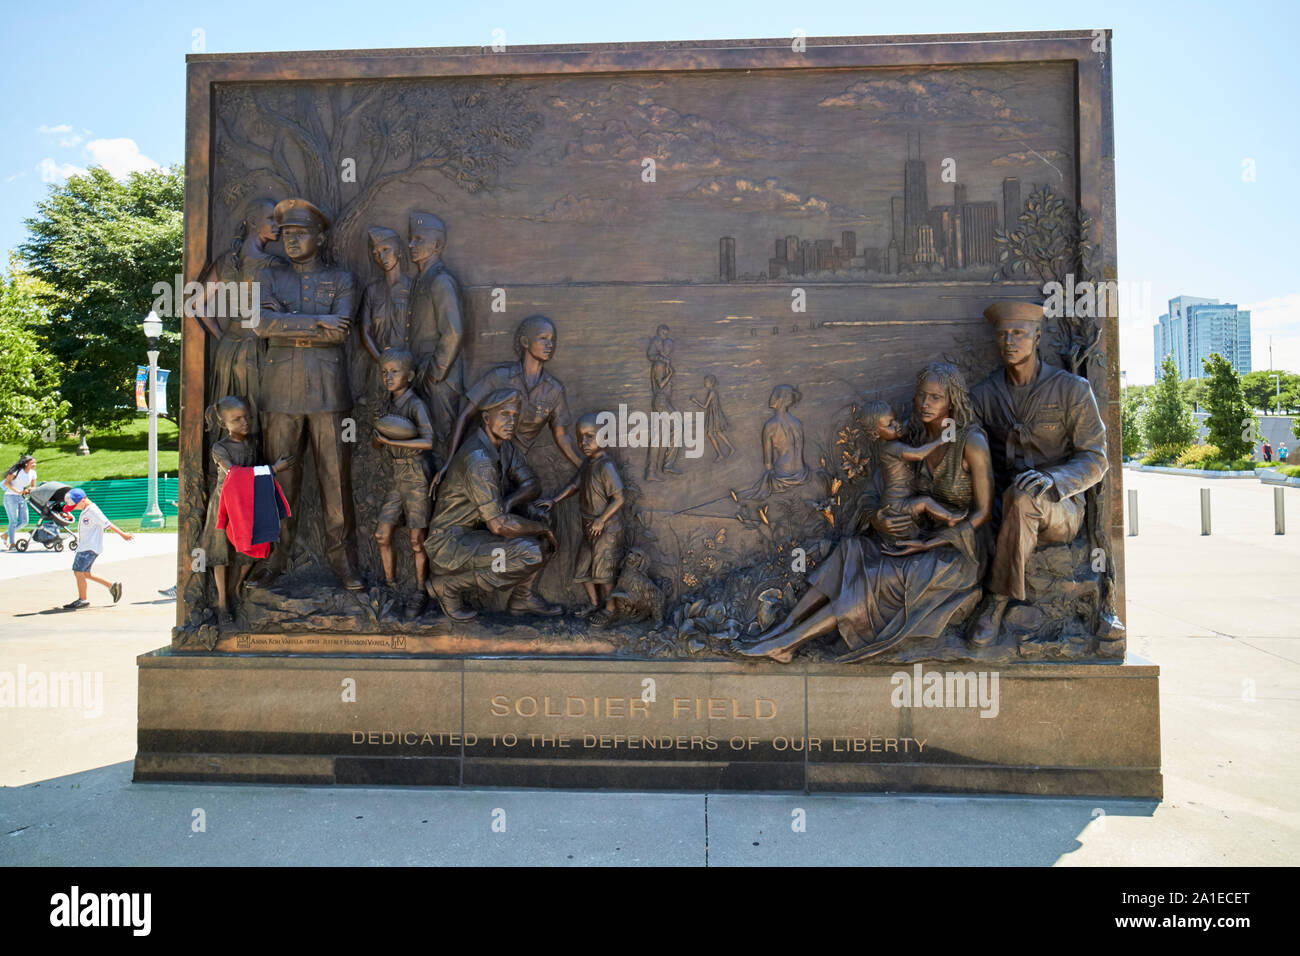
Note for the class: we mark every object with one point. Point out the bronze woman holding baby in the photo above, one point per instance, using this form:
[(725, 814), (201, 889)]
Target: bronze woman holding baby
[(879, 595)]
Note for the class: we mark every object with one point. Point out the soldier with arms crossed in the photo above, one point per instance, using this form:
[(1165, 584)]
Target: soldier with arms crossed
[(306, 314)]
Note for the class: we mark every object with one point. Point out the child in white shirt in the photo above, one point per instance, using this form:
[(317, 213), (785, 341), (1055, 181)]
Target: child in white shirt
[(90, 542)]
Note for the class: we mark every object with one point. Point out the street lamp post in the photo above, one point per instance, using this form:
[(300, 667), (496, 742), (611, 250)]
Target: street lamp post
[(1278, 379), (153, 516)]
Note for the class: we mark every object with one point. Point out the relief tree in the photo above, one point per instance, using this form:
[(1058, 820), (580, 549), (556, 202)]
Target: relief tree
[(1048, 242), (339, 146)]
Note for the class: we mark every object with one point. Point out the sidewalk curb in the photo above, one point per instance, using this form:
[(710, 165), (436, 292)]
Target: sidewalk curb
[(1267, 476), (1190, 472), (1271, 476)]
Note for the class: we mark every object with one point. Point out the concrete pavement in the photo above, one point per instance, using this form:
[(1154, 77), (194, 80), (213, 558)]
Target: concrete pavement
[(1219, 614), (38, 559)]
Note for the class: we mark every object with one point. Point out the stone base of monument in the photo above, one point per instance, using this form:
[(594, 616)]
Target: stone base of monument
[(1051, 729)]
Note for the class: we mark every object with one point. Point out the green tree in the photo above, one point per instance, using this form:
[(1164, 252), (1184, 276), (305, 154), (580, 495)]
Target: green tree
[(32, 412), (1137, 394), (1290, 401), (1131, 425), (1231, 423), (1193, 392), (1262, 391), (1167, 421), (99, 244)]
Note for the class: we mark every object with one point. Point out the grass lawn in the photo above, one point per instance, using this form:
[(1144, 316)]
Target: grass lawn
[(133, 526), (121, 455)]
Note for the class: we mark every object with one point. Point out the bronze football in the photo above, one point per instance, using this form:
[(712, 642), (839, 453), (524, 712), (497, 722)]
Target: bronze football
[(397, 427)]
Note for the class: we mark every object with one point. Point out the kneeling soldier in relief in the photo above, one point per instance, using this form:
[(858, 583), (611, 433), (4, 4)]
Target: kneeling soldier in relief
[(475, 542)]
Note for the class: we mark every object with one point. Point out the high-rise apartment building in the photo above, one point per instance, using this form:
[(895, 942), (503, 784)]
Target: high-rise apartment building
[(1193, 328)]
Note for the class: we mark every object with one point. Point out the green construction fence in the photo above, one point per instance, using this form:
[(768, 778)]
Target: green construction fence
[(125, 499)]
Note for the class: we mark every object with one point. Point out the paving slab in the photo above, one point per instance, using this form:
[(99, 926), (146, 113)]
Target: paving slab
[(1220, 615), (99, 818), (40, 560)]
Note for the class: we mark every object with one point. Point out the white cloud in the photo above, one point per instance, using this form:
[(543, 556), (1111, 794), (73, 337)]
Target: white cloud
[(120, 157), (10, 179), (1280, 318), (52, 172), (67, 138)]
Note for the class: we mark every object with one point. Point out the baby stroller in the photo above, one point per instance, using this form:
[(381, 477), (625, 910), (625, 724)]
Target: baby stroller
[(47, 499)]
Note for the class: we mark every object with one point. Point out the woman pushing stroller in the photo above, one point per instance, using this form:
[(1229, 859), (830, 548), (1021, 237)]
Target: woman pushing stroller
[(18, 482)]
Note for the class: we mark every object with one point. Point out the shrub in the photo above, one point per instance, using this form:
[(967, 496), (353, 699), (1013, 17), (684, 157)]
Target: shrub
[(1202, 457), (1163, 455), (1131, 426), (1195, 456)]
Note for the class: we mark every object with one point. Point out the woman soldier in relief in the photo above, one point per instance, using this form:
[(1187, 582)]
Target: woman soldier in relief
[(384, 308), (237, 363)]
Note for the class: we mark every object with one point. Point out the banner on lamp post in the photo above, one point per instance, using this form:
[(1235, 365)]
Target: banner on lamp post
[(142, 388)]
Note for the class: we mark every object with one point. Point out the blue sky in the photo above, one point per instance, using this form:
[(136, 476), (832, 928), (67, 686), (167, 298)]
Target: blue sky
[(1200, 88)]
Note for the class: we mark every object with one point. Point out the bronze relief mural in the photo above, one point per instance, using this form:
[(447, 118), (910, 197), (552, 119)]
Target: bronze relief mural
[(719, 364)]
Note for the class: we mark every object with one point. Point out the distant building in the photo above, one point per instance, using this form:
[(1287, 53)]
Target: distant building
[(961, 234), (915, 207), (951, 237), (1010, 203), (825, 253), (1193, 328), (978, 222), (1218, 328), (925, 250), (1171, 333), (727, 259), (942, 220)]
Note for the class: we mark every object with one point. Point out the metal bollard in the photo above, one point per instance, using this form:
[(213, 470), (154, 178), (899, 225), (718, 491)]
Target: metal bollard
[(1279, 511), (1132, 512), (1205, 511)]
